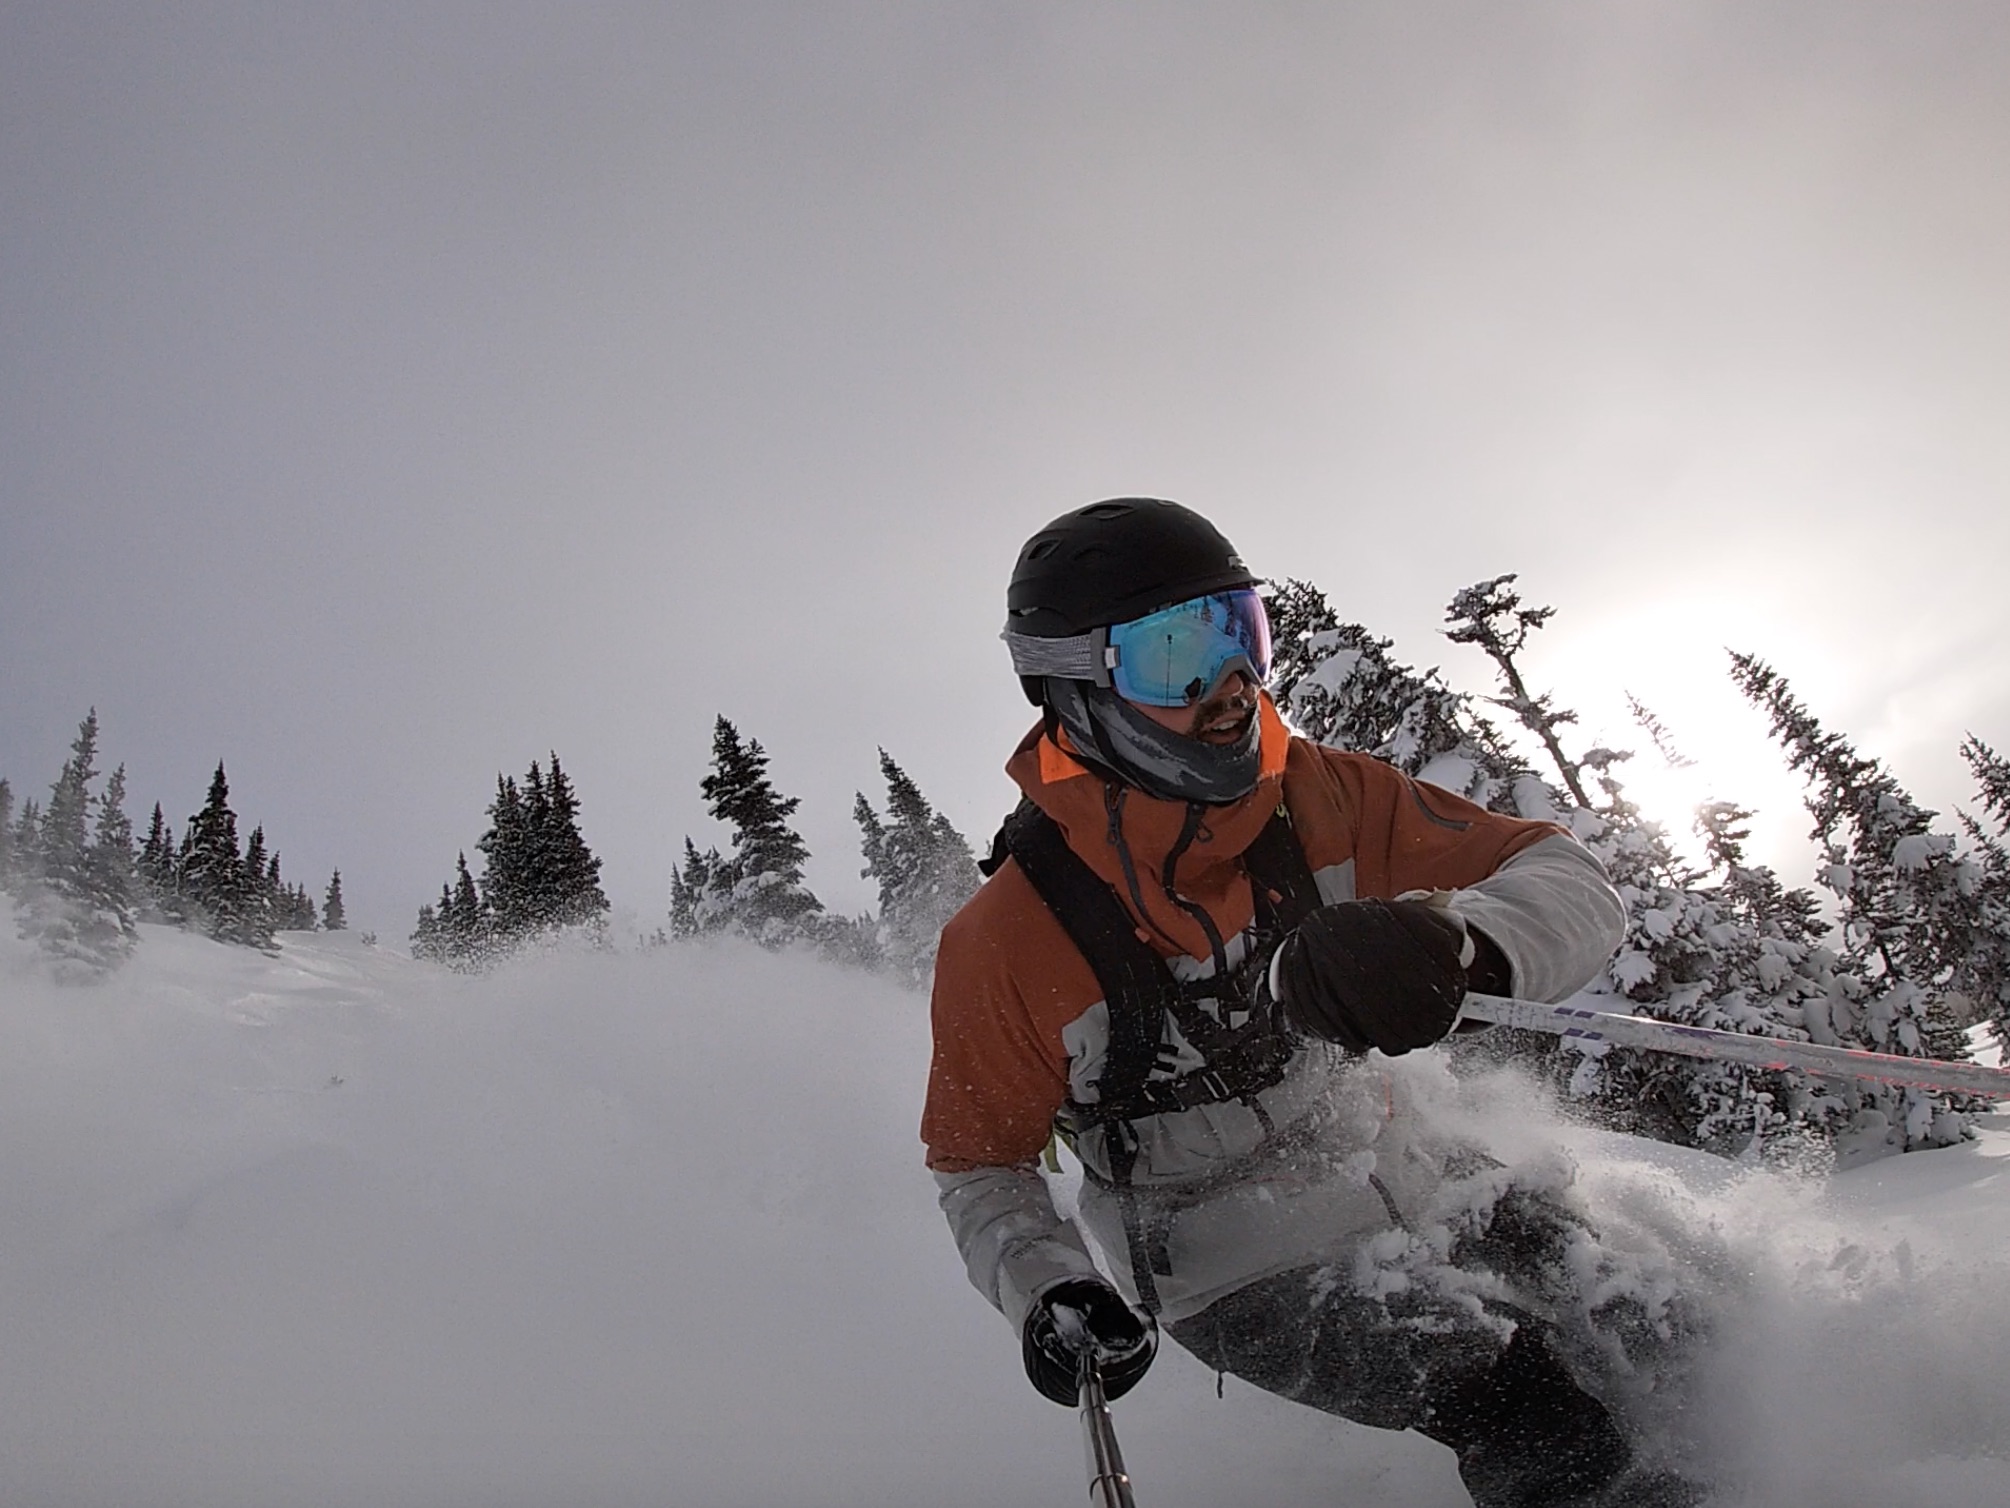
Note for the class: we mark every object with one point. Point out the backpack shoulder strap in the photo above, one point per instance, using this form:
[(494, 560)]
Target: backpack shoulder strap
[(1135, 980), (1285, 890)]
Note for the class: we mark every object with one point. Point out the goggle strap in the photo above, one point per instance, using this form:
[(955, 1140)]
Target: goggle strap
[(1079, 657)]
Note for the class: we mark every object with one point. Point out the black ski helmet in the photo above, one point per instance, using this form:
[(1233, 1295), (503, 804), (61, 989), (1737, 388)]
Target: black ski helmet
[(1113, 561), (1106, 564)]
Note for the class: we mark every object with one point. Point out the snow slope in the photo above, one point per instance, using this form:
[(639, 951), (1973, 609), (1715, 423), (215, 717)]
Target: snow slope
[(336, 1228)]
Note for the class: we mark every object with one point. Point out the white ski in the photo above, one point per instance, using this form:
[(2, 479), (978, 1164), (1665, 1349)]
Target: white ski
[(1582, 1025)]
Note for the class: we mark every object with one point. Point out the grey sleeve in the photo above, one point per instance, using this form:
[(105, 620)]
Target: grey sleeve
[(1015, 1245), (1553, 914)]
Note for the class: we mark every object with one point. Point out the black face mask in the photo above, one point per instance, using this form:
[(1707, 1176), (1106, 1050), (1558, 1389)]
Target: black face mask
[(1114, 734)]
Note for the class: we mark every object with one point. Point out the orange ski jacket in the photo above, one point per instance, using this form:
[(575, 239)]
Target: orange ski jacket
[(1021, 1026), (1009, 980)]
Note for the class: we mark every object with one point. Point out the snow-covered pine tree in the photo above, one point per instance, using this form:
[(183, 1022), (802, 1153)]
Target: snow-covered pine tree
[(66, 820), (1724, 947), (110, 865), (1908, 906), (256, 918), (466, 934), (691, 892), (1989, 948), (1769, 961), (923, 867), (1491, 616), (155, 867), (1339, 686), (505, 850), (74, 901), (425, 937), (333, 917), (6, 836), (1696, 951), (567, 875), (537, 874), (27, 841), (211, 864), (757, 891)]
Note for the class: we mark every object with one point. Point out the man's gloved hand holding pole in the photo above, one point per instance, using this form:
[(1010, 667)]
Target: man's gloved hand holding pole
[(1075, 1316), (1384, 974)]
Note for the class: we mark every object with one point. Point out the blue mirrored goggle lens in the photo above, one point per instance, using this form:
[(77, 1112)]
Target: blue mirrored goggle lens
[(1171, 657)]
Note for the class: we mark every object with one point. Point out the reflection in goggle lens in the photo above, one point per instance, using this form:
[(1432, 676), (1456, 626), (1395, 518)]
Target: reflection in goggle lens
[(1171, 657)]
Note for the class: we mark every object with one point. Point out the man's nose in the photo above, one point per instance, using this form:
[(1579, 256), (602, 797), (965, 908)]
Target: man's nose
[(1237, 683)]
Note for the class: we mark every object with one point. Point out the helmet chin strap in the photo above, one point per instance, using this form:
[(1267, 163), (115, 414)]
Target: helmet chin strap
[(1156, 760)]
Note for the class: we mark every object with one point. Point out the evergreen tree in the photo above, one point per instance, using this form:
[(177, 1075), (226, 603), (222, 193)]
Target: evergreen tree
[(1491, 616), (110, 868), (691, 892), (464, 923), (426, 936), (6, 836), (156, 871), (25, 849), (1726, 948), (1909, 914), (537, 873), (75, 901), (568, 874), (333, 917), (758, 890), (924, 869), (1340, 687), (212, 867), (530, 855), (1988, 963), (1770, 962), (506, 852), (255, 885), (66, 822)]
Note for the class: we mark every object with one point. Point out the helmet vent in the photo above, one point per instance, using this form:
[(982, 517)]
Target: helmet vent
[(1107, 510)]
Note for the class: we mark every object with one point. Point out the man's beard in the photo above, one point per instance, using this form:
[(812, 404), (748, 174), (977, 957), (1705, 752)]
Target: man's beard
[(1223, 720)]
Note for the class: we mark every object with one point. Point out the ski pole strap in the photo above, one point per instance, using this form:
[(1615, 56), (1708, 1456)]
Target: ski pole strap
[(1109, 1483), (1573, 1023)]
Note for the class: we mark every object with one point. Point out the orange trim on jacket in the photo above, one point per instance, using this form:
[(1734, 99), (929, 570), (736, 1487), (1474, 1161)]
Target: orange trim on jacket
[(1009, 979)]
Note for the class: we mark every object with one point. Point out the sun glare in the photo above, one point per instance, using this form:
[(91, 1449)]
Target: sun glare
[(1671, 659)]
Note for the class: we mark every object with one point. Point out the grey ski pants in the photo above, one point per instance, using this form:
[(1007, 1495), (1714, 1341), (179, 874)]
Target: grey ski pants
[(1527, 1435)]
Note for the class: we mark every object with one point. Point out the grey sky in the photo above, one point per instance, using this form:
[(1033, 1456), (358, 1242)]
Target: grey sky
[(389, 394)]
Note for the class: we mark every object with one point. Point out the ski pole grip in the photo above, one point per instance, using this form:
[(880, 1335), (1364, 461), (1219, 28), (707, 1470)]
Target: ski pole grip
[(1109, 1483)]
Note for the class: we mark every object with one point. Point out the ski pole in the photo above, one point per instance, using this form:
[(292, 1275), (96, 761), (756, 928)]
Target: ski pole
[(1109, 1483), (1573, 1023)]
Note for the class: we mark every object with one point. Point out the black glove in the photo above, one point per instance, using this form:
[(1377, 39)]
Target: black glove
[(1084, 1312), (1387, 974)]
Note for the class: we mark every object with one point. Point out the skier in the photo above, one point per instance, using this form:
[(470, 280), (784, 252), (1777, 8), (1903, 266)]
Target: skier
[(1196, 931)]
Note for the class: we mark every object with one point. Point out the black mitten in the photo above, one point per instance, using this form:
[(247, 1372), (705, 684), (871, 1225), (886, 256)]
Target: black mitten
[(1386, 974), (1083, 1313)]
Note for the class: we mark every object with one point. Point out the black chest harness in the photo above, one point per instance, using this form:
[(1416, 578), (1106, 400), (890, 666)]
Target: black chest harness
[(1239, 1058)]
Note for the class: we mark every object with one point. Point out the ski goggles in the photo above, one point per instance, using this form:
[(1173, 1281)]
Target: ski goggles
[(1165, 659)]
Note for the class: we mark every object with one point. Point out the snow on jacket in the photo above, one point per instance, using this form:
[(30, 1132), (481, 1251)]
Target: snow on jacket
[(1021, 1025)]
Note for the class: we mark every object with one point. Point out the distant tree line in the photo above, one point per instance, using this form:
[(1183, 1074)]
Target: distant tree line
[(80, 886), (539, 877)]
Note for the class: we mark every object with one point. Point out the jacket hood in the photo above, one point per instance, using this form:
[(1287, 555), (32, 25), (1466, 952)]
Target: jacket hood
[(1126, 836)]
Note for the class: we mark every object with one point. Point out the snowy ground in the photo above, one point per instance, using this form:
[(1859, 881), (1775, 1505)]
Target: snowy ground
[(338, 1228)]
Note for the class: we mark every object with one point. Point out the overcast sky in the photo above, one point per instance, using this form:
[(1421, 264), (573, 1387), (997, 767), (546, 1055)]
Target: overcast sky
[(389, 394)]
